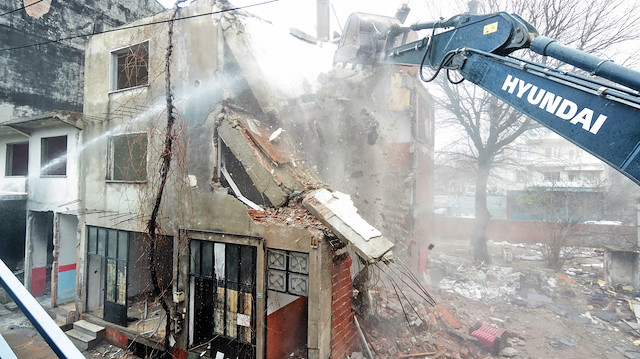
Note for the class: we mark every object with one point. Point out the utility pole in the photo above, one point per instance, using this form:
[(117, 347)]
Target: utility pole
[(323, 19)]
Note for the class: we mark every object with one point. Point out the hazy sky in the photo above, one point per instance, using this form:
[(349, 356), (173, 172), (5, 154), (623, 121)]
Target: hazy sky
[(301, 14)]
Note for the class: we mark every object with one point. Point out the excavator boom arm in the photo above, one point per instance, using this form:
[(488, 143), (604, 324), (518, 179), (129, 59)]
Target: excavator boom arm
[(599, 116)]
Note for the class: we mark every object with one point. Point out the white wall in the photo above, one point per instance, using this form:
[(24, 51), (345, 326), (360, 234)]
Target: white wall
[(56, 193)]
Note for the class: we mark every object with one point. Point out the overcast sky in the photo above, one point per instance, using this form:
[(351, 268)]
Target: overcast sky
[(301, 14)]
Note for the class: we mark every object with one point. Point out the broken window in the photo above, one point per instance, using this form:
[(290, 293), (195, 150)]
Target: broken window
[(288, 272), (130, 67), (17, 159), (128, 158), (223, 293), (53, 160)]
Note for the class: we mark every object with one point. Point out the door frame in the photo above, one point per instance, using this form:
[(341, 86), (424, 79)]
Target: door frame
[(260, 282)]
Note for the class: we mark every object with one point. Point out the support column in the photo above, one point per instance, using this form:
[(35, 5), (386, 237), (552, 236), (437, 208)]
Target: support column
[(28, 260), (56, 257)]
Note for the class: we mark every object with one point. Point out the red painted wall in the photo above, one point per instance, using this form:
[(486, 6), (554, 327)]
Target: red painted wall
[(343, 331), (38, 281), (287, 330)]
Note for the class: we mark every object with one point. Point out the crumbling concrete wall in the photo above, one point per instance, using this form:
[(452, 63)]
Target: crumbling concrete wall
[(49, 77), (373, 139)]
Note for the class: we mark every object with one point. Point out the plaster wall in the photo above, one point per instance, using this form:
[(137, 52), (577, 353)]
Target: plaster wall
[(40, 195), (67, 268)]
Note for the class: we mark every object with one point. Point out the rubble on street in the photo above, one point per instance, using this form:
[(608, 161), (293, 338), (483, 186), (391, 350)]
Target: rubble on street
[(514, 307)]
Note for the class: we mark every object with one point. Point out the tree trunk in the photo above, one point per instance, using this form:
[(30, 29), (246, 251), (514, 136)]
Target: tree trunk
[(479, 234)]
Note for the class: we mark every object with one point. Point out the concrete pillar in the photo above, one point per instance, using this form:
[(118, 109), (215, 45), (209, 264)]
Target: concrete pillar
[(28, 261), (56, 254)]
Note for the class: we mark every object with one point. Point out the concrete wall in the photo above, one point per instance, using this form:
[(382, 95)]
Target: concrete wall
[(40, 195), (49, 77), (67, 256), (587, 235), (621, 267), (373, 139)]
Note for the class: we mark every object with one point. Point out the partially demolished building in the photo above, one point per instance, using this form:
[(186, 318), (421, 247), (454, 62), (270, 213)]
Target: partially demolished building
[(255, 253)]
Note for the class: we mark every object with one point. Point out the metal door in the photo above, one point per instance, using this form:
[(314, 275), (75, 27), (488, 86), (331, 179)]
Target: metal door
[(224, 294)]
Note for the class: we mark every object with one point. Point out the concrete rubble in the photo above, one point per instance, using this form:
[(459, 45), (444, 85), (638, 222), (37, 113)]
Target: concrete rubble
[(534, 312)]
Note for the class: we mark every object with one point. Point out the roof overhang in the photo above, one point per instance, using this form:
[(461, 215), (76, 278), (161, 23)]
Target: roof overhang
[(26, 126)]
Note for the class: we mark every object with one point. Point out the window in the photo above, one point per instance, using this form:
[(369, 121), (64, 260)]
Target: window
[(53, 160), (591, 176), (552, 176), (17, 159), (288, 272), (573, 176), (130, 67), (129, 157)]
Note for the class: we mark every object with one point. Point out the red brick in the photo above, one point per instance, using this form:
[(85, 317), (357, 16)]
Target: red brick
[(448, 317)]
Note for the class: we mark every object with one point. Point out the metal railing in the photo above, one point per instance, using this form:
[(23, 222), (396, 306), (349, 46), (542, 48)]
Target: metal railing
[(47, 327)]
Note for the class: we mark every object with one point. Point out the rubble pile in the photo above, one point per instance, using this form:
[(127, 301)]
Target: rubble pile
[(294, 214), (513, 308), (404, 327)]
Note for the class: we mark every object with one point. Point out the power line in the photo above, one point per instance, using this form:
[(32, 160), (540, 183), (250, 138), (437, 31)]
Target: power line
[(20, 8), (137, 26)]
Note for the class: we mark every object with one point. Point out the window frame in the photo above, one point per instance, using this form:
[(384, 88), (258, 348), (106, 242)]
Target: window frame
[(114, 67), (9, 159), (112, 159), (44, 150)]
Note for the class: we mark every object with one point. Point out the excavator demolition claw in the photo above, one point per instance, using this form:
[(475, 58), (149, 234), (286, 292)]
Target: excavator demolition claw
[(365, 41)]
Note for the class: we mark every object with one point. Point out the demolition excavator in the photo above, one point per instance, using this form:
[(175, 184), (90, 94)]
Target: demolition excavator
[(596, 108)]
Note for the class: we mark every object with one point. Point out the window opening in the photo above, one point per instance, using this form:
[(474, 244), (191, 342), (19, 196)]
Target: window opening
[(129, 157), (53, 160), (288, 272), (17, 159), (234, 176), (130, 66)]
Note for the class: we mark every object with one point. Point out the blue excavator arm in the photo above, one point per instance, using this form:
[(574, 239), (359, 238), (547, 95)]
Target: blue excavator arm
[(598, 111)]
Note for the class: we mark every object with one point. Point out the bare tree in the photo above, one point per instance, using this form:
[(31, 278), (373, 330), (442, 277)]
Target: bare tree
[(489, 126), (560, 210)]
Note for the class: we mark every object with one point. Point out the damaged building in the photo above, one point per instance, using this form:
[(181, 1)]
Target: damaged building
[(41, 85), (224, 237)]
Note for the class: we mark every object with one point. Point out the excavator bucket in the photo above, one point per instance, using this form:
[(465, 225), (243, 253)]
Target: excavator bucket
[(365, 39)]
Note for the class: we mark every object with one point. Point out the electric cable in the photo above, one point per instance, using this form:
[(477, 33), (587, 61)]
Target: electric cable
[(137, 26), (20, 8)]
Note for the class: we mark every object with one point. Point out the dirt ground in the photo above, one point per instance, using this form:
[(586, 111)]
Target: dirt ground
[(571, 314)]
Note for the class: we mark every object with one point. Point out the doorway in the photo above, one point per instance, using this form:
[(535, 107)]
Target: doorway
[(223, 296)]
